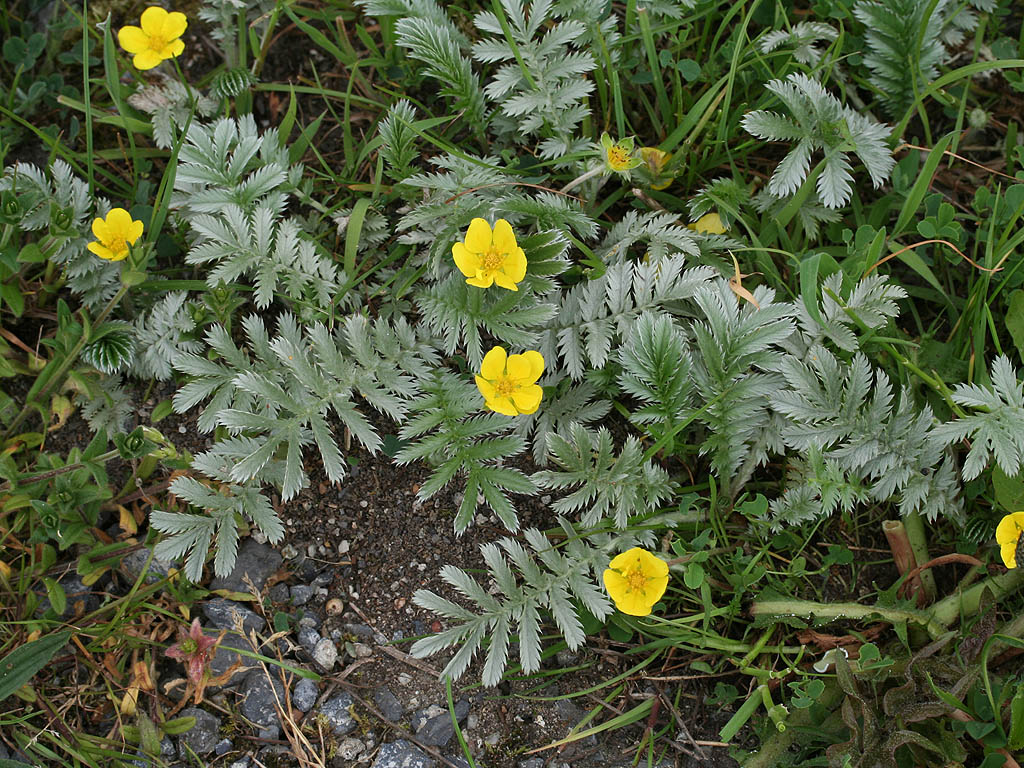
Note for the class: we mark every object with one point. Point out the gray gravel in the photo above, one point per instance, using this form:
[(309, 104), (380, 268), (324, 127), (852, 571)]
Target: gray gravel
[(222, 614), (388, 704), (204, 735), (402, 754), (258, 703), (258, 561), (336, 710), (325, 653), (304, 694)]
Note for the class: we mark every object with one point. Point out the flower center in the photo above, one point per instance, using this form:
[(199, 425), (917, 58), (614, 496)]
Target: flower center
[(118, 245), (492, 260), (636, 579), (504, 386), (157, 42), (617, 156)]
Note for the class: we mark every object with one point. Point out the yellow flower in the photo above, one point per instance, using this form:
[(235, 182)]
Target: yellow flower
[(1009, 535), (636, 580), (487, 256), (708, 224), (158, 39), (618, 156), (509, 382), (655, 162), (115, 234)]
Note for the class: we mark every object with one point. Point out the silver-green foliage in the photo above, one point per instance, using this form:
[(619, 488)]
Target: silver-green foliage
[(449, 432), (58, 203), (819, 122), (527, 583), (906, 42), (996, 429), (865, 434), (282, 392), (603, 485), (161, 334), (547, 92)]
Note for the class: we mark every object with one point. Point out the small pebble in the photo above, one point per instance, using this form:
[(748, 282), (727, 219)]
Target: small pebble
[(325, 653), (344, 546), (308, 638), (222, 747), (304, 694), (300, 594), (350, 749)]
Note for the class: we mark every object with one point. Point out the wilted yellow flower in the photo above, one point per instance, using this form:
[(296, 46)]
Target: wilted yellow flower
[(509, 382), (1009, 535), (490, 256), (636, 580), (115, 234), (708, 224), (158, 39), (618, 156), (655, 161)]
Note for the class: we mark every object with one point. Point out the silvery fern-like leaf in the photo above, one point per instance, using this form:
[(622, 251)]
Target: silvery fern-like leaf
[(871, 302), (604, 485), (719, 195), (416, 9), (997, 428), (231, 163), (434, 45), (904, 46), (447, 430), (572, 404), (161, 335), (804, 37), (850, 414), (168, 104), (656, 371), (109, 408), (554, 94), (58, 201), (660, 233), (738, 351), (595, 312), (398, 139), (195, 533), (526, 583), (820, 122)]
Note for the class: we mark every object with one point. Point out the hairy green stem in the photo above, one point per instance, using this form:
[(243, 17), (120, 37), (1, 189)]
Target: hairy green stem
[(770, 754), (966, 602), (829, 612), (914, 525)]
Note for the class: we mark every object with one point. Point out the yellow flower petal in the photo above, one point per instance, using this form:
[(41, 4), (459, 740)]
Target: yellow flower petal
[(527, 399), (175, 25), (614, 581), (134, 232), (133, 39), (485, 387), (173, 49), (708, 224), (536, 360), (153, 19), (146, 59), (493, 364), (504, 281), (478, 236), (635, 604), (502, 405), (119, 222), (1008, 534), (100, 250), (1008, 552), (515, 265), (468, 263), (518, 367), (503, 239), (481, 280), (100, 230)]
